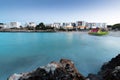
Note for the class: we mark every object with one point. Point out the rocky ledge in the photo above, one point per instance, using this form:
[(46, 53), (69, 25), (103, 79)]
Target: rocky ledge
[(63, 70), (109, 71)]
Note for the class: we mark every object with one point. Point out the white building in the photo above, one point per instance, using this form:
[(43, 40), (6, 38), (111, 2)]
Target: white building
[(97, 25), (68, 25), (80, 23), (56, 25), (31, 24), (14, 25)]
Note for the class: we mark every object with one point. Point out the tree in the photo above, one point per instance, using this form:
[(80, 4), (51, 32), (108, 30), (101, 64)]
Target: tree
[(49, 27), (116, 26), (109, 26), (37, 27), (21, 27), (40, 26)]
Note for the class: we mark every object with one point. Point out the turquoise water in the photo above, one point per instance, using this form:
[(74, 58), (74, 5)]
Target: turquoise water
[(22, 52)]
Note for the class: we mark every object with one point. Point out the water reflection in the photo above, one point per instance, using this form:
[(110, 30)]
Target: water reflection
[(69, 37)]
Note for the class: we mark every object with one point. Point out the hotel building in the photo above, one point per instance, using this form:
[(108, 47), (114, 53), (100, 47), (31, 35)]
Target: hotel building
[(68, 25), (56, 25), (81, 24), (14, 25), (97, 25), (31, 24)]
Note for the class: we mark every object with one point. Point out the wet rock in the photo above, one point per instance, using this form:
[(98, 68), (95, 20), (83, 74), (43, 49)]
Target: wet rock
[(112, 64), (111, 70), (63, 70), (94, 77)]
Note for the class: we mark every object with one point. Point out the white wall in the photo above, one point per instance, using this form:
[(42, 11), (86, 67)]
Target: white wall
[(14, 24)]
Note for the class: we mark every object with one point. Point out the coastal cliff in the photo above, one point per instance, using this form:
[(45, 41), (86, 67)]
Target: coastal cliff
[(65, 70)]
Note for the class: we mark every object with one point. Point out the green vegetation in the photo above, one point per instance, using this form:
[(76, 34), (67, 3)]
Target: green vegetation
[(99, 33), (114, 27), (41, 26)]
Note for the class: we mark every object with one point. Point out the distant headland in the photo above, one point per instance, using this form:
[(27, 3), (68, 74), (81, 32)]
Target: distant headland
[(53, 27)]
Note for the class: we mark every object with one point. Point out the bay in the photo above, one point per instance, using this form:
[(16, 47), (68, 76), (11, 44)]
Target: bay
[(23, 52)]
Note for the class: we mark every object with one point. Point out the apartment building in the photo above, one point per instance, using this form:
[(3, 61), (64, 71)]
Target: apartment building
[(97, 25), (14, 25)]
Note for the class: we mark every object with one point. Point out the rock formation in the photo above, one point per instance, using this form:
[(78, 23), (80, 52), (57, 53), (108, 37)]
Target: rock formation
[(109, 71), (63, 70)]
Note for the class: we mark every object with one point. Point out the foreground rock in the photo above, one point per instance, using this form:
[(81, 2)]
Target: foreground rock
[(64, 70), (109, 71)]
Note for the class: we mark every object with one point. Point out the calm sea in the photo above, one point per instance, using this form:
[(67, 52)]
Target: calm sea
[(22, 52)]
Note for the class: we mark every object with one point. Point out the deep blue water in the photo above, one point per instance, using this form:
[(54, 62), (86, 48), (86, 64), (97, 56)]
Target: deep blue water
[(22, 52)]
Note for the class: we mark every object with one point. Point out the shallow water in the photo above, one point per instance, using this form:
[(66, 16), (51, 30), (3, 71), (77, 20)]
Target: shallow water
[(22, 52)]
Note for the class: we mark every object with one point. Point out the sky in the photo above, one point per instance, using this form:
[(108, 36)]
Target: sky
[(50, 11)]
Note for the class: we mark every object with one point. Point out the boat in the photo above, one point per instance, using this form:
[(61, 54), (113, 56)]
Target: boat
[(98, 32)]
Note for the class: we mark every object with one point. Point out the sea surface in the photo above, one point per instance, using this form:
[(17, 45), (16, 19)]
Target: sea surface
[(23, 52)]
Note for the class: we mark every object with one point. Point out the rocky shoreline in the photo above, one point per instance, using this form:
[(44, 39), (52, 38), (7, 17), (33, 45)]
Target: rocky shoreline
[(109, 70), (65, 70)]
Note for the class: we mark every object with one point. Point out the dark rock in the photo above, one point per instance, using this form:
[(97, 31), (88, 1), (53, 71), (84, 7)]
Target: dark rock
[(112, 64), (111, 70), (64, 70), (94, 77)]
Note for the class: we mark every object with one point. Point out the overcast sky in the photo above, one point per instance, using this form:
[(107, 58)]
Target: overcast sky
[(49, 11)]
